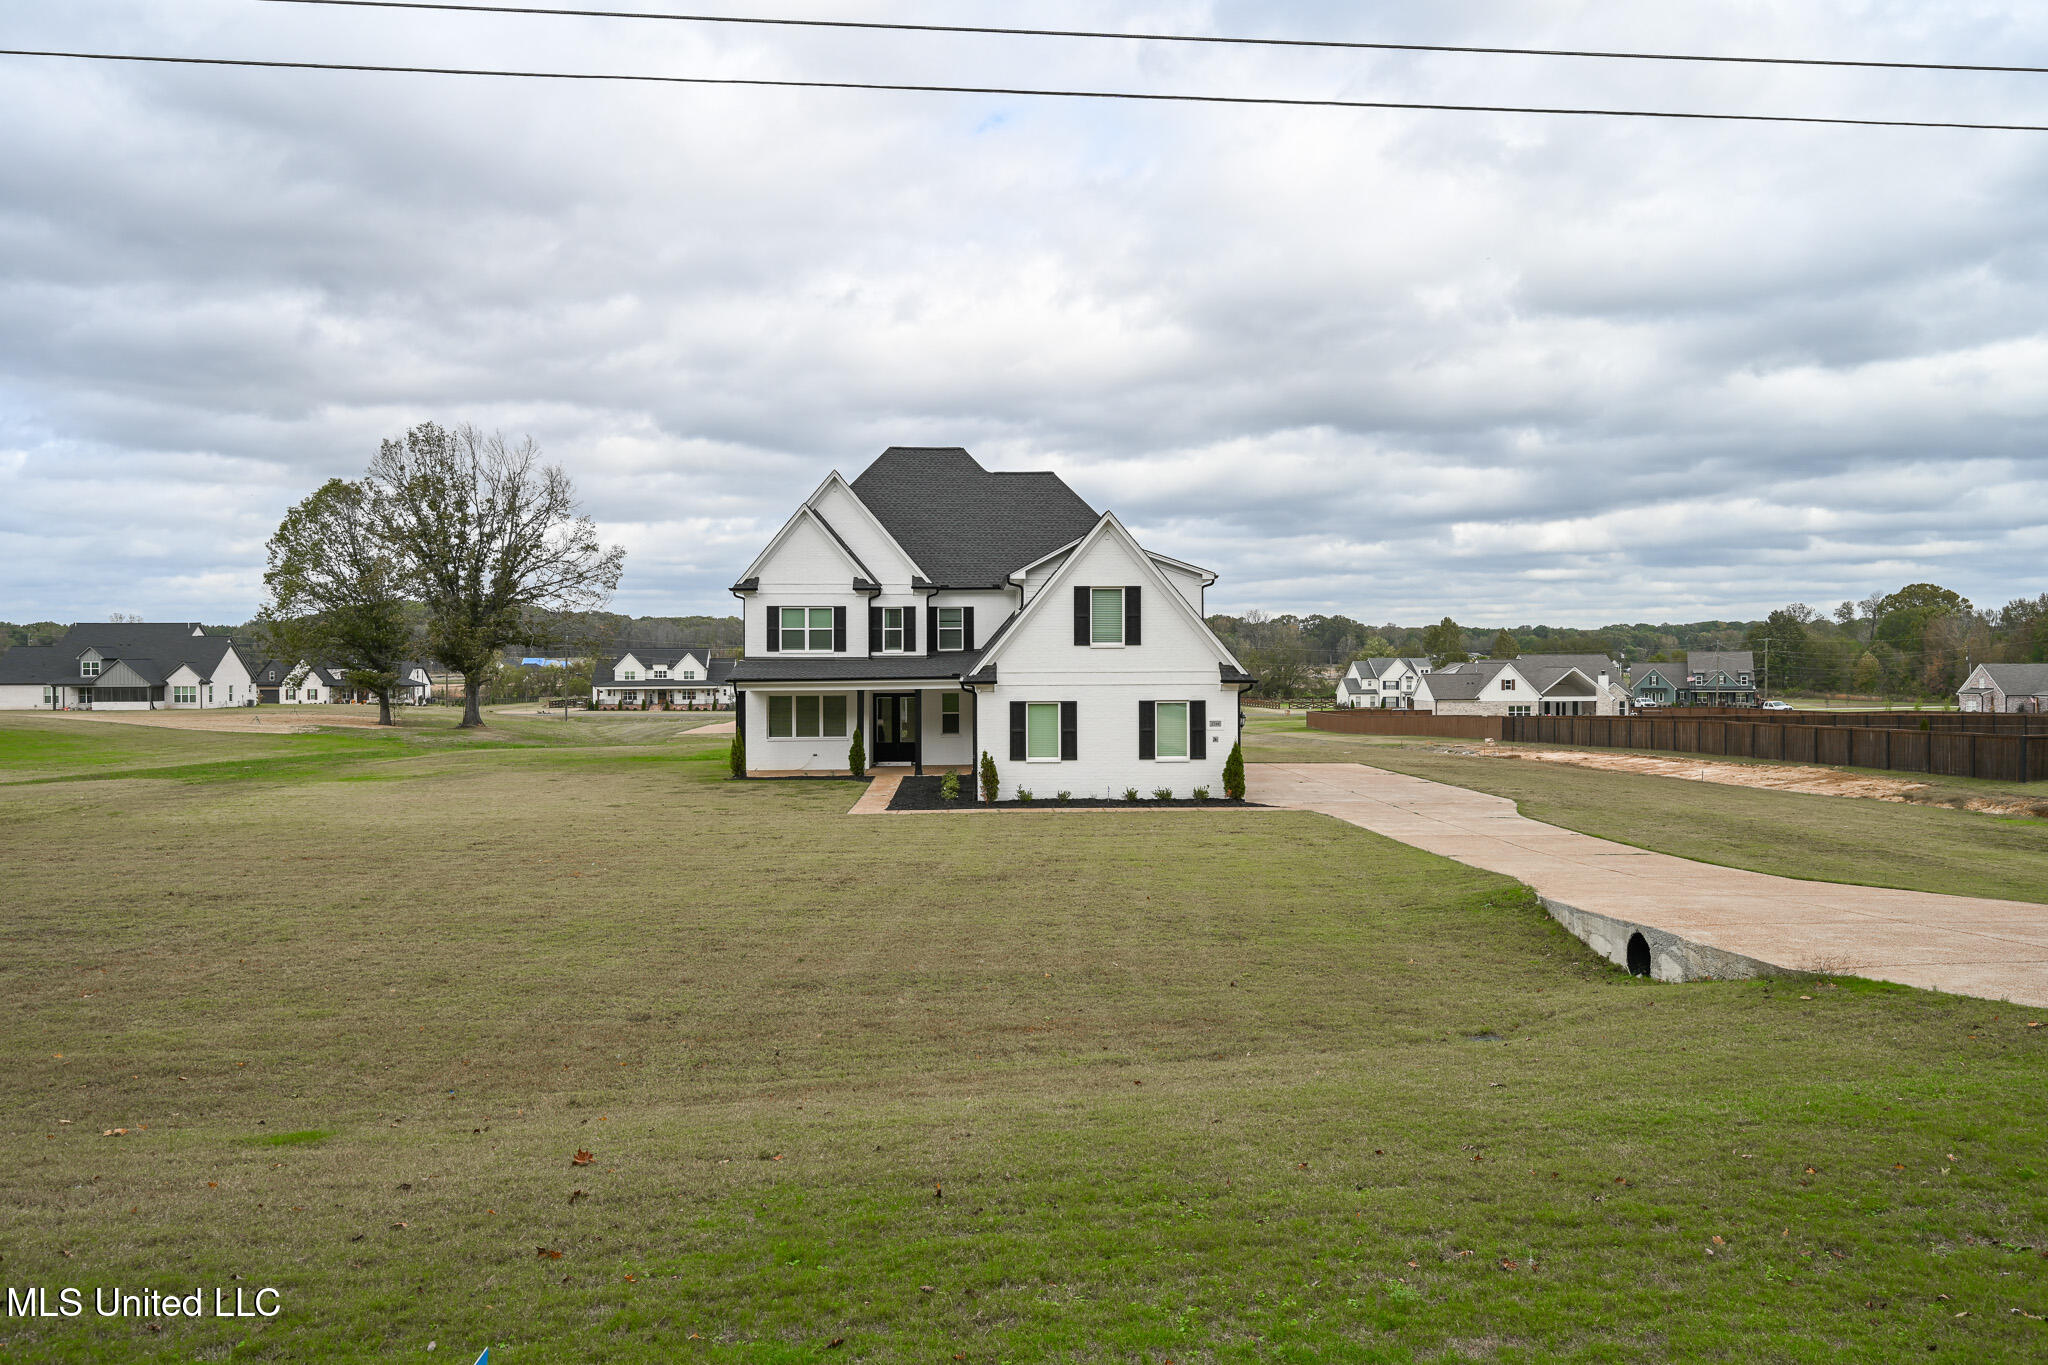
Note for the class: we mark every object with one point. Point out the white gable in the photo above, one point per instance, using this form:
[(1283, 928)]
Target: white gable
[(864, 534), (806, 555)]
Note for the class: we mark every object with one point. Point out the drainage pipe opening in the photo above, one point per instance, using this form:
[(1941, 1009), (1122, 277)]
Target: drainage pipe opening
[(1638, 955)]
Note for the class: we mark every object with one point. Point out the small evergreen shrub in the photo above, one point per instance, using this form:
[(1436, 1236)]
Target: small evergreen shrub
[(949, 787), (1162, 793), (1201, 793), (1063, 797), (857, 755), (1024, 795), (1131, 794), (990, 784), (736, 755), (1233, 772)]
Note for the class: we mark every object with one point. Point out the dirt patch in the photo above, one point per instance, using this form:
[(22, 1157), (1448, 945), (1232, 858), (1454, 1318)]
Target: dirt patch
[(1783, 777)]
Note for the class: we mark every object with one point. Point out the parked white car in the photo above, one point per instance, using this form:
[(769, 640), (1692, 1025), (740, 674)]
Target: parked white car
[(1777, 706)]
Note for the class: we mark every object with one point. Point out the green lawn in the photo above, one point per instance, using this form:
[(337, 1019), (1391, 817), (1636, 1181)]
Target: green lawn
[(1821, 838), (1189, 1086)]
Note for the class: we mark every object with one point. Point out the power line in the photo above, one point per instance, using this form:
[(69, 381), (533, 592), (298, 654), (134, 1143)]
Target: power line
[(1026, 91), (1212, 39)]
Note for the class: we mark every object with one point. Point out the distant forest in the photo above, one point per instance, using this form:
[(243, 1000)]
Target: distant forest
[(1919, 641)]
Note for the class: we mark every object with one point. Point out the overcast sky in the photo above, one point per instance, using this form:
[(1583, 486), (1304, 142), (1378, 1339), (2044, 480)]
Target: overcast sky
[(1391, 364)]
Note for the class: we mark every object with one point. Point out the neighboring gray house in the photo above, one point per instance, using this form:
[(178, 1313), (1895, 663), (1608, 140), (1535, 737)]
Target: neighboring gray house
[(1725, 677), (2005, 687), (126, 666)]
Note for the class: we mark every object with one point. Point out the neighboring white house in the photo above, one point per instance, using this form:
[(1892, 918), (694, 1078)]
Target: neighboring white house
[(1517, 687), (1381, 684), (949, 611), (311, 684), (647, 678), (2005, 687), (126, 666)]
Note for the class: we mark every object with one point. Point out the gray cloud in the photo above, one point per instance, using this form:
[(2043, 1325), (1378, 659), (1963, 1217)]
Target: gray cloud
[(1394, 365)]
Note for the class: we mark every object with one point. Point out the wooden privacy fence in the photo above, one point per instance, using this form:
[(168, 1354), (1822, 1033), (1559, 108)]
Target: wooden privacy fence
[(1946, 751), (1982, 722), (1369, 721)]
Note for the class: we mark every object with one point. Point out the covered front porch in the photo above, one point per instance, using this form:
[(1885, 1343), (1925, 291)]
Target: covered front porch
[(917, 726)]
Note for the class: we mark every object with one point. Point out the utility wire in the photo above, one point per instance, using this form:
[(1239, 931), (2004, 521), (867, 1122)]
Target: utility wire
[(1030, 92), (1215, 39)]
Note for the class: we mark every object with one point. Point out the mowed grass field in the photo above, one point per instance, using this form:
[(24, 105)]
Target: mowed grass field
[(1788, 834), (1188, 1086)]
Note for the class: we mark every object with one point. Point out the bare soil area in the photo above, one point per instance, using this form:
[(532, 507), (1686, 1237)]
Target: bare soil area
[(1785, 777)]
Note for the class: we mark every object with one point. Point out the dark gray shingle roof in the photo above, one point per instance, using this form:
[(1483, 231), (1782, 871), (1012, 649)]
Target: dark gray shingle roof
[(969, 527), (2024, 680), (853, 667)]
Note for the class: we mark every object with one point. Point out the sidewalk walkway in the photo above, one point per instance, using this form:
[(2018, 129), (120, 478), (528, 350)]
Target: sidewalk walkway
[(1962, 944)]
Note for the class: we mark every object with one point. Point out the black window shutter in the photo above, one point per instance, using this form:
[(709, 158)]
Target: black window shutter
[(1134, 616), (874, 630), (1147, 739), (910, 630), (774, 630), (1070, 731), (1016, 732), (1080, 616), (1198, 729), (931, 630), (967, 627), (839, 630)]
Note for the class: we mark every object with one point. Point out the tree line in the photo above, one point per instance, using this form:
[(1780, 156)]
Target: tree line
[(1920, 641)]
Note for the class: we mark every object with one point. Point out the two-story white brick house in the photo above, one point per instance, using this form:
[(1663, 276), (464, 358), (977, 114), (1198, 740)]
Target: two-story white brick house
[(1381, 684), (950, 611)]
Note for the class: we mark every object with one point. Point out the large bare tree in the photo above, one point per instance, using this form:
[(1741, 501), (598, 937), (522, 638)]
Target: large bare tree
[(495, 542), (337, 595)]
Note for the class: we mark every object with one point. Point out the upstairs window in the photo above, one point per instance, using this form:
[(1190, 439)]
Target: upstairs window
[(661, 671), (629, 675), (952, 633), (892, 630), (1106, 616), (1742, 678), (89, 668), (806, 628), (1507, 684)]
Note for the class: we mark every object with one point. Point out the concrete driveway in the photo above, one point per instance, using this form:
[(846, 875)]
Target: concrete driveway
[(1697, 919)]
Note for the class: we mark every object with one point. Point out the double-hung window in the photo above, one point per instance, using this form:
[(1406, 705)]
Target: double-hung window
[(949, 713), (1171, 721), (892, 629), (1042, 732), (1106, 616), (49, 696), (806, 628), (806, 717), (952, 631), (290, 694)]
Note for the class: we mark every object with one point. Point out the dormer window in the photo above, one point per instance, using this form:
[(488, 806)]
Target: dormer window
[(661, 671), (1742, 678), (88, 668)]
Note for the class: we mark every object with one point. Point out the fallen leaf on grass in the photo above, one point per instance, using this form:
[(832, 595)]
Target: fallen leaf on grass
[(575, 1195), (1718, 1242), (835, 1342), (2021, 1311), (401, 1225), (582, 1158), (115, 1132), (546, 1254)]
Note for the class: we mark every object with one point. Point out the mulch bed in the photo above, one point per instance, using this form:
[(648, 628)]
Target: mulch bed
[(922, 793)]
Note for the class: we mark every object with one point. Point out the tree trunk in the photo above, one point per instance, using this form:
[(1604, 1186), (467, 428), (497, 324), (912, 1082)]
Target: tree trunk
[(384, 708), (472, 716)]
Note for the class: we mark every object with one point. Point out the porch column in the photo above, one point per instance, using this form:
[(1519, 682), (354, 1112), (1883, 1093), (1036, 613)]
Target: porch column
[(917, 733)]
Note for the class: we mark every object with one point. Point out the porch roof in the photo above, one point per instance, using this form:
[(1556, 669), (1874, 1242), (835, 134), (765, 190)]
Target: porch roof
[(857, 668)]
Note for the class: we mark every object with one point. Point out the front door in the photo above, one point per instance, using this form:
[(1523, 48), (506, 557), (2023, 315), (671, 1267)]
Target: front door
[(895, 727)]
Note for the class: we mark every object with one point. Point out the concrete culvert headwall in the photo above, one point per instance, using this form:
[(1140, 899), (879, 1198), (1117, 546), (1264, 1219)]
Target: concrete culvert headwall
[(1638, 955), (1648, 951)]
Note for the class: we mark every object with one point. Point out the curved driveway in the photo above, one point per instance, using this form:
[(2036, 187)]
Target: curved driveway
[(1963, 944)]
